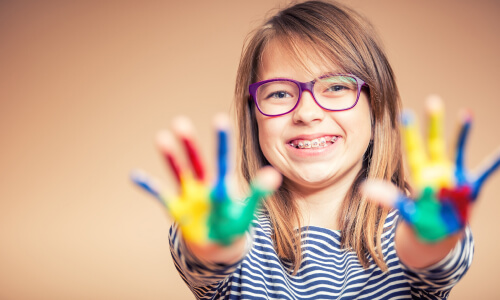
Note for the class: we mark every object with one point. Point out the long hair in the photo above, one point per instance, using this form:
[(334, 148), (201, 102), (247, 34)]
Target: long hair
[(335, 35)]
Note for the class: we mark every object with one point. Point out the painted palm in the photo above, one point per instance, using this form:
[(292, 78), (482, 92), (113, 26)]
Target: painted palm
[(207, 213), (445, 189)]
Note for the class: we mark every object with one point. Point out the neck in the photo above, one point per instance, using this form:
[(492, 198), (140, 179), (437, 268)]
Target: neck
[(321, 206)]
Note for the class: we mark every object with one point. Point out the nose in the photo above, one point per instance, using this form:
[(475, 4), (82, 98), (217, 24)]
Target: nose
[(307, 110)]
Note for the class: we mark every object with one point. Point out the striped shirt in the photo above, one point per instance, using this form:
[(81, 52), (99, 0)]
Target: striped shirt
[(327, 271)]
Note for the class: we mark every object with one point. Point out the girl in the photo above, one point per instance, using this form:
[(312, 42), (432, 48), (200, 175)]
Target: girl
[(316, 99)]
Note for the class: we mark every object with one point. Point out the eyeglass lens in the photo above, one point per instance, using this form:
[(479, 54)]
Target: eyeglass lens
[(337, 92)]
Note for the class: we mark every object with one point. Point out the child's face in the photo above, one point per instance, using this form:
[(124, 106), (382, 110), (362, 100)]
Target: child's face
[(312, 168)]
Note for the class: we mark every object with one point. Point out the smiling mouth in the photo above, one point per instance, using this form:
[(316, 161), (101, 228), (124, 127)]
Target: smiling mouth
[(315, 143)]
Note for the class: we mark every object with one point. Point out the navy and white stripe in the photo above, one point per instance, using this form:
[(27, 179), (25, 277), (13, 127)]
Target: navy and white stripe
[(326, 272)]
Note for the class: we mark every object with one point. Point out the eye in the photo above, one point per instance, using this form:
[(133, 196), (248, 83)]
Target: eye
[(279, 95), (336, 88), (277, 91)]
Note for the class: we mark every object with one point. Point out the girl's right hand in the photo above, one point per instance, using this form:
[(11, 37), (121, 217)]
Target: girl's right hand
[(207, 216)]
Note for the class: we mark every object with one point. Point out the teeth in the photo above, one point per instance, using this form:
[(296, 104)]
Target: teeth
[(315, 143)]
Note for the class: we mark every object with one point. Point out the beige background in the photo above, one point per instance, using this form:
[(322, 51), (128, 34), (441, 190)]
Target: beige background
[(84, 87)]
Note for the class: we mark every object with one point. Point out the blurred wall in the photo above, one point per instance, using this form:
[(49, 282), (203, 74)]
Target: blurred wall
[(84, 86)]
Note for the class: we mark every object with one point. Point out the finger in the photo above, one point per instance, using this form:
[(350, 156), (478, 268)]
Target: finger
[(387, 195), (460, 172), (414, 145), (267, 180), (222, 126), (490, 166), (148, 184), (437, 151), (239, 215), (191, 209), (381, 192), (166, 142), (183, 128)]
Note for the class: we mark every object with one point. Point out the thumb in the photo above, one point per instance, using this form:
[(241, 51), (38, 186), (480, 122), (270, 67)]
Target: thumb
[(388, 195), (267, 179), (381, 192)]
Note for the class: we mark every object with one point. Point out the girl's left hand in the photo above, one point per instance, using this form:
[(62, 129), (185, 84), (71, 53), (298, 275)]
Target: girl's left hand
[(445, 191)]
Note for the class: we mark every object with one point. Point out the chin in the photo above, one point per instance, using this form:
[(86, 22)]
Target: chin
[(313, 179)]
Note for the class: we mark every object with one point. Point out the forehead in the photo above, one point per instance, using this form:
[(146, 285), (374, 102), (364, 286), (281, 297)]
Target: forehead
[(294, 59)]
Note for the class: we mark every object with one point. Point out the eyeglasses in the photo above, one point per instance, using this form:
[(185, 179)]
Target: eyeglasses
[(276, 97)]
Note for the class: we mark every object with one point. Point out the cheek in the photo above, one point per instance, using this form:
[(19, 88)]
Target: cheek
[(360, 122), (269, 135), (266, 133)]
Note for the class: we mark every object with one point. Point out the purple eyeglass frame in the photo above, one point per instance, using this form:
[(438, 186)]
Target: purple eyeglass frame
[(303, 86)]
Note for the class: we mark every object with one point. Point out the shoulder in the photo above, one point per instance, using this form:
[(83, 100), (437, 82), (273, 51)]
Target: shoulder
[(392, 218), (390, 223), (262, 221)]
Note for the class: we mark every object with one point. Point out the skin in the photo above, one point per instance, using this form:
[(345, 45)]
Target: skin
[(321, 178), (411, 251), (266, 180)]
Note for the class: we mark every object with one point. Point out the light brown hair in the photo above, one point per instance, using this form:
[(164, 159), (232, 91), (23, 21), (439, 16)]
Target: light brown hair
[(340, 36)]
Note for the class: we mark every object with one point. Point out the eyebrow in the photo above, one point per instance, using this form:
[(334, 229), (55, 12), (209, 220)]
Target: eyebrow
[(322, 75)]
